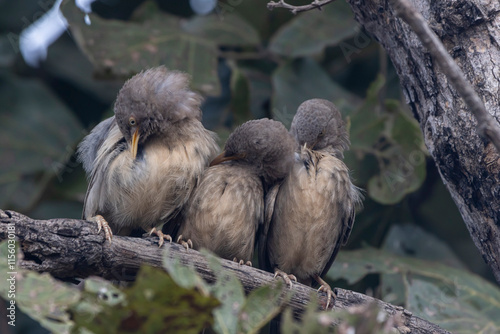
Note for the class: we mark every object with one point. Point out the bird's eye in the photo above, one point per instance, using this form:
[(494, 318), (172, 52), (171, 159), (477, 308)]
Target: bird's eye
[(132, 121), (322, 133)]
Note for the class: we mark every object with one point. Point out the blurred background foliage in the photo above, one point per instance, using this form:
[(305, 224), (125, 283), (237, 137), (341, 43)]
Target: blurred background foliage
[(248, 62)]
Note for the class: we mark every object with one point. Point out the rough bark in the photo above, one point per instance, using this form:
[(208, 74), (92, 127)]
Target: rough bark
[(69, 248), (469, 166)]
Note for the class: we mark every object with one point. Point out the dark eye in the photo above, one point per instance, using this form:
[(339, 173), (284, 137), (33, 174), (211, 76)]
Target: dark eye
[(132, 121), (322, 133)]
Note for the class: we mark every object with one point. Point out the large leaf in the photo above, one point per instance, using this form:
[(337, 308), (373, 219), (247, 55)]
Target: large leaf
[(125, 48), (295, 82), (368, 123), (238, 314), (230, 292), (38, 137), (411, 240), (153, 304), (38, 295), (230, 31), (310, 32), (383, 129), (261, 306), (452, 298)]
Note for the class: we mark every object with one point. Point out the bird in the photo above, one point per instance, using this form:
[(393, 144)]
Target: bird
[(144, 162), (227, 207), (309, 215)]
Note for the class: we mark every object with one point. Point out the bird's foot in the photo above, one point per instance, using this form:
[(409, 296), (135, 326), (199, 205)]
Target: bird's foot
[(160, 235), (185, 243), (286, 277), (102, 224), (241, 262), (325, 287)]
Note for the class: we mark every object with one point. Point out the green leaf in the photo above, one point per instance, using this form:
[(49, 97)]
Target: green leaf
[(310, 32), (153, 304), (261, 306), (39, 136), (310, 320), (106, 291), (237, 314), (430, 301), (397, 178), (405, 170), (295, 82), (368, 123), (384, 130), (232, 30), (38, 295), (450, 297), (182, 274), (411, 240), (125, 48), (228, 289), (157, 38), (256, 13)]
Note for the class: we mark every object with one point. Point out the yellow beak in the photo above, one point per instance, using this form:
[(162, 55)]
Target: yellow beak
[(222, 157), (135, 144)]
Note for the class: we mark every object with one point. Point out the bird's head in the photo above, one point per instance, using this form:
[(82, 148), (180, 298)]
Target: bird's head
[(152, 102), (263, 144), (318, 125)]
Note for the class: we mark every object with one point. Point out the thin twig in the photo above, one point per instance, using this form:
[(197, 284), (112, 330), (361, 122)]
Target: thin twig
[(316, 4), (487, 126)]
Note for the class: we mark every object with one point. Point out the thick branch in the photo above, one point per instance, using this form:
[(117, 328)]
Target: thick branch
[(488, 127), (68, 248)]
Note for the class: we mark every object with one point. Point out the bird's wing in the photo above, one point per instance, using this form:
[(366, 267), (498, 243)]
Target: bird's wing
[(90, 145), (348, 214), (108, 149), (264, 226)]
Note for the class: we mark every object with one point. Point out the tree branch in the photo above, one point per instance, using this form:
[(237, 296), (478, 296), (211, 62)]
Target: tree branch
[(316, 4), (69, 248), (469, 167), (487, 126)]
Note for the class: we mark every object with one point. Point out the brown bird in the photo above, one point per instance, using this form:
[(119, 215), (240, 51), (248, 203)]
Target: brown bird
[(227, 207), (144, 162), (310, 215)]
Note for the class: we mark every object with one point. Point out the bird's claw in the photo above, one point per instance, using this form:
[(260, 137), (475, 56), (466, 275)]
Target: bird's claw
[(102, 224), (186, 244), (241, 262), (330, 295), (325, 287), (160, 235), (288, 278)]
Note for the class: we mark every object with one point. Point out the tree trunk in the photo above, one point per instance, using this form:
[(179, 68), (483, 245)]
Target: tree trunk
[(69, 248), (469, 166)]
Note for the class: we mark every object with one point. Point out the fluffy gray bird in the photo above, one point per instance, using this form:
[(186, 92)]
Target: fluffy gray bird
[(228, 205), (144, 162), (310, 215)]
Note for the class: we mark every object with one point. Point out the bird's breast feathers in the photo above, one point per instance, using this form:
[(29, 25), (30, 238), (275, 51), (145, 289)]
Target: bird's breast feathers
[(162, 176)]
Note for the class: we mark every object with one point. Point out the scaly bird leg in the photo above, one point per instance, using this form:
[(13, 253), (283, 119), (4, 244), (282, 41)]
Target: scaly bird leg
[(160, 235), (325, 287), (186, 244), (102, 224), (241, 262), (286, 277)]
